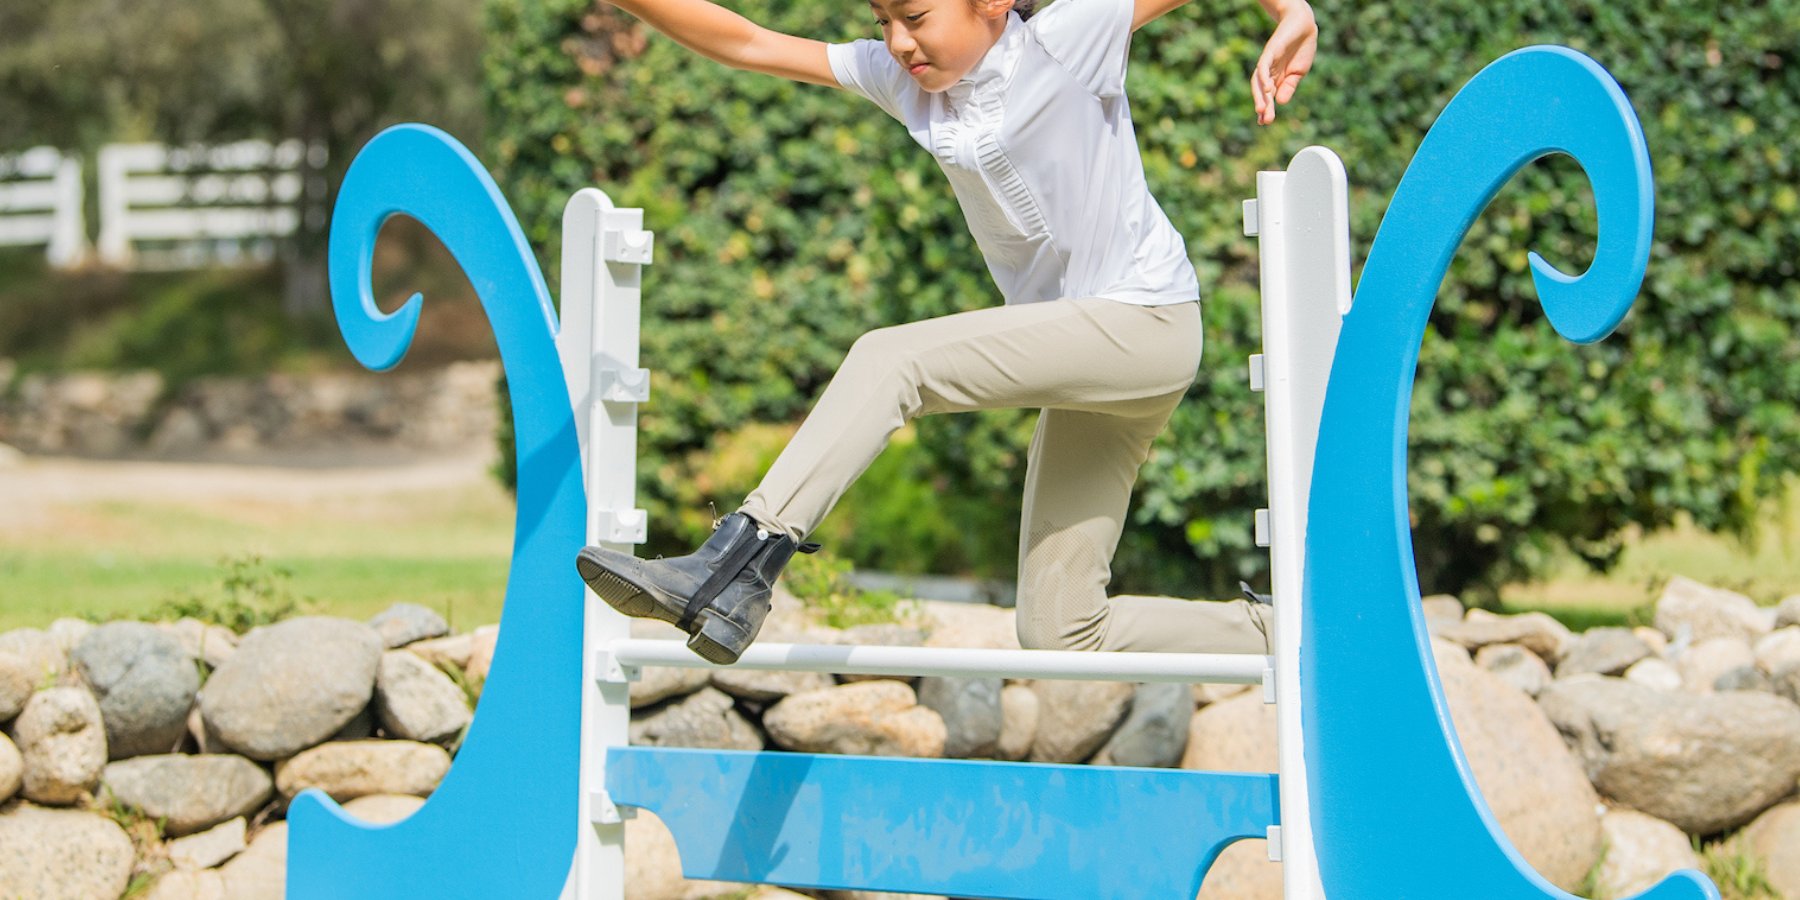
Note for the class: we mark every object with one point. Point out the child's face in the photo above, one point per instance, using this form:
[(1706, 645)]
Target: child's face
[(939, 41)]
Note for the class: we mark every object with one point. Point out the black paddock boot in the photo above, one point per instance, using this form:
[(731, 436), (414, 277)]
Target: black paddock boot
[(719, 594)]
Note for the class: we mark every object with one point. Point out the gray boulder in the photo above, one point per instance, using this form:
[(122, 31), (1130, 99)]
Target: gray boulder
[(1699, 612), (417, 702), (1787, 612), (1533, 785), (1076, 717), (1654, 673), (1786, 682), (206, 849), (351, 769), (868, 718), (62, 743), (1772, 839), (1702, 664), (406, 623), (16, 685), (658, 683), (291, 685), (1018, 722), (12, 768), (145, 683), (193, 792), (1778, 650), (1535, 631), (1706, 764), (45, 657), (759, 686), (1640, 851), (1155, 732), (705, 718), (970, 708), (212, 644), (1515, 665), (1603, 651), (62, 854), (1744, 678), (69, 632)]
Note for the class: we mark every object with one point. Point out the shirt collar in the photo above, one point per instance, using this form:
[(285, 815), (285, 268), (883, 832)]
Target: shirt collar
[(994, 64)]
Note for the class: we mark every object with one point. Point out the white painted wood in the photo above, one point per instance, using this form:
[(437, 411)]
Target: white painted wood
[(959, 662), (208, 199), (598, 337), (1303, 227), (1301, 219), (41, 203)]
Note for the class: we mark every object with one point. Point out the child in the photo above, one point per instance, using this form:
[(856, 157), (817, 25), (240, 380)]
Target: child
[(1100, 329)]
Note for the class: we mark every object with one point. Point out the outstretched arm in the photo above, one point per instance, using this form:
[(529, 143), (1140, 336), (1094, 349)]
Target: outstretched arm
[(1285, 59), (724, 36)]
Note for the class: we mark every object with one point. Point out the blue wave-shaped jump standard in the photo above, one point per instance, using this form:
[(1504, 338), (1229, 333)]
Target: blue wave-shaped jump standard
[(1397, 813), (503, 822)]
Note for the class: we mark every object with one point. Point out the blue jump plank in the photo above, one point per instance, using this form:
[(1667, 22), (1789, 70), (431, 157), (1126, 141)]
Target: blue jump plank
[(956, 827)]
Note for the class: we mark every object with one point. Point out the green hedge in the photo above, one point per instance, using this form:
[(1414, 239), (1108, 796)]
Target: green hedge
[(791, 218)]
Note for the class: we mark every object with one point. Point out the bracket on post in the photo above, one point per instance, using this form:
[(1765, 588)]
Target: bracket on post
[(632, 247), (1274, 843), (1268, 683), (1252, 219), (621, 526), (619, 385), (1258, 372), (603, 811), (608, 669)]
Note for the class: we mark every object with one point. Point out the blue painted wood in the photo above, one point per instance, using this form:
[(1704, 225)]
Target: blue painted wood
[(503, 822), (1396, 813), (956, 827)]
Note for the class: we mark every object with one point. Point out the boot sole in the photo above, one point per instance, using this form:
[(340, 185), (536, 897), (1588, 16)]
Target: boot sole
[(633, 599)]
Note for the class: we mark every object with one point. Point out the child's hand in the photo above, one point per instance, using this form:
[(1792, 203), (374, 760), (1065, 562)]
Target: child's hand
[(1287, 57)]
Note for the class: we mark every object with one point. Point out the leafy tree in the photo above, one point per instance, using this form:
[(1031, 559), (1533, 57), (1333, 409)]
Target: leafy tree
[(791, 218)]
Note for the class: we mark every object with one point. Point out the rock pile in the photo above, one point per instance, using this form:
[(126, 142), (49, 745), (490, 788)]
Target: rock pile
[(98, 414), (1603, 752)]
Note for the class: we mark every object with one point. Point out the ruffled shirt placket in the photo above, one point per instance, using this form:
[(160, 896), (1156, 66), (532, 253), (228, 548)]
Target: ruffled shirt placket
[(966, 136)]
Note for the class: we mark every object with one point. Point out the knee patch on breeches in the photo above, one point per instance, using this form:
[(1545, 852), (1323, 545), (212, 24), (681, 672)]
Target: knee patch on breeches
[(1062, 590)]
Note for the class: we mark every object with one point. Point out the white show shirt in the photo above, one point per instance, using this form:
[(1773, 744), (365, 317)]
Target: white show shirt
[(1038, 145)]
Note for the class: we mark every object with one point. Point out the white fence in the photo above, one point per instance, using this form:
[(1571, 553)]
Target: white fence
[(41, 204), (175, 208)]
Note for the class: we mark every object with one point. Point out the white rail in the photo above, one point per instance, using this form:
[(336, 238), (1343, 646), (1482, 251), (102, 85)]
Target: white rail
[(957, 662), (217, 204), (41, 203)]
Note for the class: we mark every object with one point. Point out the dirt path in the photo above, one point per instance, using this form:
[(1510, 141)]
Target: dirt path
[(32, 488)]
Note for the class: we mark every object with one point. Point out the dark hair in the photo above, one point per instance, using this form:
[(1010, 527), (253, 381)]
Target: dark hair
[(1023, 7)]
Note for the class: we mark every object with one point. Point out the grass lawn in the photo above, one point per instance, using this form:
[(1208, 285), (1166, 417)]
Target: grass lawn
[(352, 544), (1767, 569), (348, 554)]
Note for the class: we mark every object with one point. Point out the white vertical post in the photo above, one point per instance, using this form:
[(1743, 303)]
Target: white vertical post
[(115, 163), (1301, 218), (603, 253), (68, 235)]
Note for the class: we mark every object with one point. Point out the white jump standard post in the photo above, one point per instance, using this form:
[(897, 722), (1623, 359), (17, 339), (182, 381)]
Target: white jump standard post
[(1302, 222), (603, 254), (1300, 217)]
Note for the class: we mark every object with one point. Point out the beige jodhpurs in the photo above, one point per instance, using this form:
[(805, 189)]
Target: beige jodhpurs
[(1106, 375)]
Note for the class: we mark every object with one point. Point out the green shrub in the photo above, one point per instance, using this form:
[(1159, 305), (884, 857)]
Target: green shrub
[(792, 218), (821, 581), (249, 592)]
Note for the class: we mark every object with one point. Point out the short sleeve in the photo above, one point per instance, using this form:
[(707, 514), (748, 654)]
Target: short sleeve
[(1090, 38), (866, 67)]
